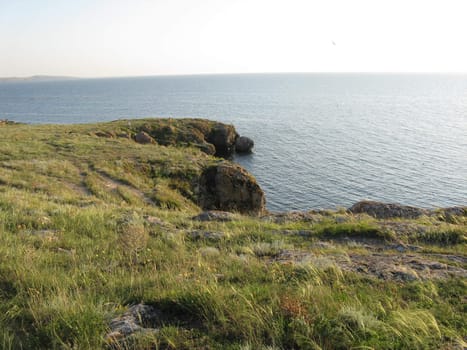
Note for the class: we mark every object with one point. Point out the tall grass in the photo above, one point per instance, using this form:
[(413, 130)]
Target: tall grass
[(76, 252)]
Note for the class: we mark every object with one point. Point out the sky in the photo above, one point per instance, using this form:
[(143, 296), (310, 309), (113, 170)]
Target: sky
[(103, 38)]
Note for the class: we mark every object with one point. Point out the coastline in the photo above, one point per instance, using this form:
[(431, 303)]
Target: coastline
[(133, 234)]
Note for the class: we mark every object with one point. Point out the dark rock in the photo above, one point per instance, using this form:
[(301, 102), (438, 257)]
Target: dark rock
[(143, 138), (223, 138), (387, 210), (214, 215), (244, 144), (229, 187)]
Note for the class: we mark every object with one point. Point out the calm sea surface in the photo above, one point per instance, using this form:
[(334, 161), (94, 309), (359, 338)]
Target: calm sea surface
[(322, 140)]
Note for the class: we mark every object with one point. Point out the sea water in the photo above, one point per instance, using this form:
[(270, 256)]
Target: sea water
[(321, 140)]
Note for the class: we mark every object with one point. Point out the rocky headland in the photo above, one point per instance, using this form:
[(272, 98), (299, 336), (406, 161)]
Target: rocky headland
[(142, 234)]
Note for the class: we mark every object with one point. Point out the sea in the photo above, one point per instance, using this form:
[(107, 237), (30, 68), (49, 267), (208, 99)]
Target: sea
[(321, 140)]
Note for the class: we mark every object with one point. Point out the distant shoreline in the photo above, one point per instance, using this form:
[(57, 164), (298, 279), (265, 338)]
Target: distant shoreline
[(36, 78)]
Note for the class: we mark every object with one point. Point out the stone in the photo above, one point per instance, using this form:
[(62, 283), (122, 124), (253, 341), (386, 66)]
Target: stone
[(138, 318), (387, 210), (223, 138), (143, 138), (229, 187), (214, 215), (244, 144)]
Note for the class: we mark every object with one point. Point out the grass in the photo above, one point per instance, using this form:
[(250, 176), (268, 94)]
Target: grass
[(77, 247)]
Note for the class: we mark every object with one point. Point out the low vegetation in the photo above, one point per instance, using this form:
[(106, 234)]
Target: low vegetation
[(92, 223)]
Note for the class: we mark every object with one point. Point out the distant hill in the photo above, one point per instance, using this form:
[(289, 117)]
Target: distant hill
[(36, 78)]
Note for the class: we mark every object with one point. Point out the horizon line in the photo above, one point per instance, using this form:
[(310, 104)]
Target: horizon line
[(51, 76)]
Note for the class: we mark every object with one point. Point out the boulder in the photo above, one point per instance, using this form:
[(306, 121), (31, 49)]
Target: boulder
[(223, 138), (143, 138), (229, 187), (244, 144), (387, 210)]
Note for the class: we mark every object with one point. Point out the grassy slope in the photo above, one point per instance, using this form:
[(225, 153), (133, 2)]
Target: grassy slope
[(79, 242)]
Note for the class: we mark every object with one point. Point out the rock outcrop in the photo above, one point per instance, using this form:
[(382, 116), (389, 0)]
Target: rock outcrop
[(211, 137), (223, 137), (244, 144), (144, 138), (454, 211), (229, 187), (387, 210)]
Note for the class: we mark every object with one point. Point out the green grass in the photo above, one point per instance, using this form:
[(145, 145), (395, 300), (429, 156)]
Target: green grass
[(76, 248)]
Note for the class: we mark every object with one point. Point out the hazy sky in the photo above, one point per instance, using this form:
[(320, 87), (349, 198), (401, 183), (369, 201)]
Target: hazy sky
[(151, 37)]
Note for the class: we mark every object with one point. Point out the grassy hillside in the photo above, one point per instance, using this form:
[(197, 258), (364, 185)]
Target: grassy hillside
[(92, 222)]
